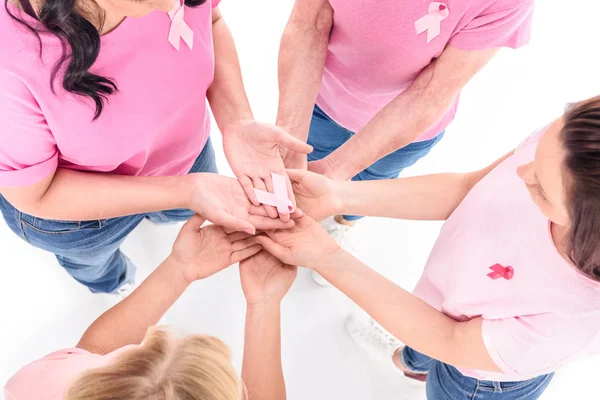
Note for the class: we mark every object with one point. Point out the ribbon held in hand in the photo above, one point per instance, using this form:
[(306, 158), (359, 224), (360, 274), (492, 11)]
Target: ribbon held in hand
[(498, 271), (432, 21), (179, 28), (279, 198)]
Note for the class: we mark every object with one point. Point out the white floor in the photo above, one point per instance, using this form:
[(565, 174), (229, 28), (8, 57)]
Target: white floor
[(43, 309)]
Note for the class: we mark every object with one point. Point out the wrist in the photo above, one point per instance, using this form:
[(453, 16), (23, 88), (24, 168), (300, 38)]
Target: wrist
[(263, 306), (340, 166), (331, 261), (180, 273), (341, 194)]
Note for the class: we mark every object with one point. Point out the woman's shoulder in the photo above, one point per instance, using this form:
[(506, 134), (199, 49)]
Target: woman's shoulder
[(49, 377)]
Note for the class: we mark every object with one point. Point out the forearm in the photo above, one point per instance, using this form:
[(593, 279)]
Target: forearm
[(74, 195), (429, 197), (261, 370), (408, 318), (302, 56), (398, 124), (127, 322), (227, 96)]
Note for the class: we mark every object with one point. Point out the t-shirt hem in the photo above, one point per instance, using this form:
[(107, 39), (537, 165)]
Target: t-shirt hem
[(30, 175), (486, 331)]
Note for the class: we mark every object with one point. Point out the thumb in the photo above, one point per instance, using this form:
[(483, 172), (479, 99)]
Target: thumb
[(286, 140), (296, 175), (194, 223), (275, 249)]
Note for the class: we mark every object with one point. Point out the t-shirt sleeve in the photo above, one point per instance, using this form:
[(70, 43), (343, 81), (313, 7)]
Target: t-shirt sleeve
[(215, 3), (531, 345), (28, 151), (50, 376), (504, 24)]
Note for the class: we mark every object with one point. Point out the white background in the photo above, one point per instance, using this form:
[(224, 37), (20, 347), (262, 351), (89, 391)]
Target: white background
[(44, 310)]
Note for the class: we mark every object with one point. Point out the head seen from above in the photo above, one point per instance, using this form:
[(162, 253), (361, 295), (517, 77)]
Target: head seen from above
[(164, 367), (564, 181)]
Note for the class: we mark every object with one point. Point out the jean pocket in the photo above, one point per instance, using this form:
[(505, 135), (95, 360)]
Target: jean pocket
[(50, 226)]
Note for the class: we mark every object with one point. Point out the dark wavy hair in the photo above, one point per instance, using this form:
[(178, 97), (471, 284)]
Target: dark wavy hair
[(80, 47), (581, 140)]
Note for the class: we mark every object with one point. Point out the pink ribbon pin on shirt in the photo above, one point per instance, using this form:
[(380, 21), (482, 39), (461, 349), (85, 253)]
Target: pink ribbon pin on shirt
[(498, 271), (432, 21), (277, 199), (179, 28)]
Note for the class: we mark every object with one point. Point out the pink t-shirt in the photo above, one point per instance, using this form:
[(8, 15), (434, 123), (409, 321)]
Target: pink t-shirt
[(48, 378), (155, 125), (546, 315), (375, 53)]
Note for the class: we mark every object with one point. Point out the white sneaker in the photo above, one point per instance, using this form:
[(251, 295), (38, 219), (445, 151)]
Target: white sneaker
[(343, 236), (124, 290), (371, 336)]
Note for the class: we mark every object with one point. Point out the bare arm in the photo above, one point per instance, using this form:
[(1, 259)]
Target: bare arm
[(127, 322), (409, 115), (428, 197), (226, 95), (262, 371), (409, 318), (301, 61), (73, 195)]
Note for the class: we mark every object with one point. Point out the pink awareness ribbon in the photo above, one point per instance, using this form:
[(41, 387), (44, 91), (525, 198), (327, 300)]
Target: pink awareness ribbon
[(498, 271), (432, 21), (179, 28), (277, 199)]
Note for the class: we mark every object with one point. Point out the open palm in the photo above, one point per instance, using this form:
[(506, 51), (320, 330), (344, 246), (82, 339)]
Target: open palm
[(222, 201), (252, 150)]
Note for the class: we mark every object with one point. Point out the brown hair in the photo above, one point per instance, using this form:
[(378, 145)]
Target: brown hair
[(164, 368), (581, 140)]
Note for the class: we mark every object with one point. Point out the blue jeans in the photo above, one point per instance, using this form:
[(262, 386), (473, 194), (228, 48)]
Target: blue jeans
[(326, 136), (445, 382), (90, 250)]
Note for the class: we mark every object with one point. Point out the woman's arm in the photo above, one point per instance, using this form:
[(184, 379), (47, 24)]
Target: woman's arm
[(197, 254), (265, 281), (252, 148), (428, 197), (409, 115), (408, 318), (404, 315), (302, 56)]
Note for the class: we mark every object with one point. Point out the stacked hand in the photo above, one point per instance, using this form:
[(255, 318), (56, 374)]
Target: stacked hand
[(202, 252), (252, 150), (266, 279)]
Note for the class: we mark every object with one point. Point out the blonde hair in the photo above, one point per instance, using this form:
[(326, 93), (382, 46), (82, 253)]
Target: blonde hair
[(164, 368)]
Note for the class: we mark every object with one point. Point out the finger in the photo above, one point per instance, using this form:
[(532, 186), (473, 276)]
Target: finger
[(260, 210), (246, 184), (265, 223), (241, 255), (260, 185), (275, 249), (235, 236), (228, 221), (297, 214), (244, 244), (296, 175), (286, 140), (194, 223)]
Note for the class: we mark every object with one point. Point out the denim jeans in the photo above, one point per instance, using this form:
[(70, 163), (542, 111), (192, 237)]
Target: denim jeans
[(326, 136), (444, 382), (90, 250)]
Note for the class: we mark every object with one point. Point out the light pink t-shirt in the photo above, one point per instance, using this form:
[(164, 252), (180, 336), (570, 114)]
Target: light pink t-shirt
[(546, 315), (375, 53), (155, 125), (48, 378)]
